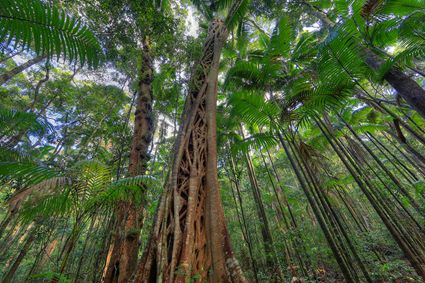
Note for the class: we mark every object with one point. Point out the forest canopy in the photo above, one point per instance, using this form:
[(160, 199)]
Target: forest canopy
[(212, 141)]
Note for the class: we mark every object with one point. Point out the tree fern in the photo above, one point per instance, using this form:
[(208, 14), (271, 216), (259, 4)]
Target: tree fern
[(48, 31)]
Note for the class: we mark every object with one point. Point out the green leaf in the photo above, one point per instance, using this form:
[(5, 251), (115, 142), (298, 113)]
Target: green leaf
[(48, 31)]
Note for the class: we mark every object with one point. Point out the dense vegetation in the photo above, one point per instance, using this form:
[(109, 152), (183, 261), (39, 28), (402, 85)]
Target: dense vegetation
[(212, 141)]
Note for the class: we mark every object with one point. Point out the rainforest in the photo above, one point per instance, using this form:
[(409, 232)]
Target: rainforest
[(223, 141)]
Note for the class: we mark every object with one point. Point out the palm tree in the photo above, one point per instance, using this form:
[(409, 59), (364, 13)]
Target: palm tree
[(305, 99)]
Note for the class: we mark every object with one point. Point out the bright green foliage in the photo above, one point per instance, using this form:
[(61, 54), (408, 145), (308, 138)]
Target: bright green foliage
[(48, 31), (334, 154)]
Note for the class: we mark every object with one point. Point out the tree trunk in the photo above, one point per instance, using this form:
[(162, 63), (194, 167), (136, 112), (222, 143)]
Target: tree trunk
[(5, 222), (101, 254), (405, 238), (68, 247), (83, 252), (189, 240), (47, 253), (271, 258), (408, 88), (234, 183), (18, 69), (30, 239), (122, 256)]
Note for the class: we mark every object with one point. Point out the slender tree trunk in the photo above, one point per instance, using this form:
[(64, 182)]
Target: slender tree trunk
[(100, 257), (18, 69), (400, 187), (271, 259), (413, 159), (296, 246), (83, 252), (394, 160), (189, 240), (399, 136), (405, 239), (45, 257), (122, 257), (243, 222), (16, 234), (5, 222), (69, 246), (306, 187), (28, 242)]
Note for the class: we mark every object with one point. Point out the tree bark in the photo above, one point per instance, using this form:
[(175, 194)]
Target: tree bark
[(189, 240), (122, 256), (18, 69)]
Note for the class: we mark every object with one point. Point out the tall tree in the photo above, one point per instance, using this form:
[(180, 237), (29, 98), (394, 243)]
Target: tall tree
[(189, 239)]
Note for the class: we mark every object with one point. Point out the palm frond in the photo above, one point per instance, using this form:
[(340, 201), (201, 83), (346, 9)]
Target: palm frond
[(258, 141), (237, 10), (48, 31), (305, 47), (89, 178), (245, 71), (27, 174), (401, 7), (14, 155), (145, 180), (281, 39), (340, 56), (253, 109), (369, 128), (131, 188), (54, 205), (411, 37), (43, 187)]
